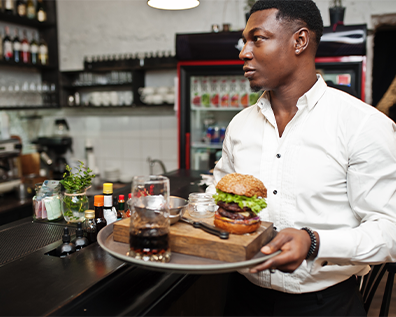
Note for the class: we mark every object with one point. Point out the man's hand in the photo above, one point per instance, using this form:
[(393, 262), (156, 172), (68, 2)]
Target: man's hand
[(294, 245)]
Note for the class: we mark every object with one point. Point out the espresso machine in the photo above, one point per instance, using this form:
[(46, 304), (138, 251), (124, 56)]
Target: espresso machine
[(10, 173), (53, 148)]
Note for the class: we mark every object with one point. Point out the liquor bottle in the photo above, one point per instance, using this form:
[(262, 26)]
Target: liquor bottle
[(30, 10), (7, 45), (109, 212), (100, 220), (25, 48), (34, 50), (43, 53), (16, 45), (1, 44), (21, 8), (9, 6), (121, 207), (41, 11)]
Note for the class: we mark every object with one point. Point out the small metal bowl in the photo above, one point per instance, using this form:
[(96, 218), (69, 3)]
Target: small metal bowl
[(177, 207)]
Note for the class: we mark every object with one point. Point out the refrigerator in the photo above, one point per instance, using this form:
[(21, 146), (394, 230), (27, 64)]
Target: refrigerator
[(211, 90), (211, 94)]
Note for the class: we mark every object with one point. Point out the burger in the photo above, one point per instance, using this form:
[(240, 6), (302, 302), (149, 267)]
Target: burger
[(240, 198)]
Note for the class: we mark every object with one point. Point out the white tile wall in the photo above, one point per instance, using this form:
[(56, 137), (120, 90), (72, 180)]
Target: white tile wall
[(124, 142)]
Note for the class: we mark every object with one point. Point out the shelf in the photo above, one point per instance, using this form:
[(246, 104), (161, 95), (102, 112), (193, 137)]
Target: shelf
[(164, 106), (215, 109), (132, 63), (199, 145), (97, 86), (24, 65), (4, 17), (13, 108)]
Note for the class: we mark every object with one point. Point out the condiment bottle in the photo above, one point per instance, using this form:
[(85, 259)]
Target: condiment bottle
[(121, 207), (109, 213), (128, 211), (100, 220), (80, 241), (66, 247), (90, 226)]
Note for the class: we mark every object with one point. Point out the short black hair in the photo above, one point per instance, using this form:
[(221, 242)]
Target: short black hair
[(304, 11)]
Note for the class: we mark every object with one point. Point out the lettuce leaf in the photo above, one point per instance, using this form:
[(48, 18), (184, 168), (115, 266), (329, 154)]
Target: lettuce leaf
[(254, 203)]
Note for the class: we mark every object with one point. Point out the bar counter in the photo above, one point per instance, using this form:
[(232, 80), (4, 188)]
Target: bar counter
[(91, 282)]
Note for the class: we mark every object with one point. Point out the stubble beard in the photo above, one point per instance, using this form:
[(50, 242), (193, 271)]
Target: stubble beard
[(255, 88)]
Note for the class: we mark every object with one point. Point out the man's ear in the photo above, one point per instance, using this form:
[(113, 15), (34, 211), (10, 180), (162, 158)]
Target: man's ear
[(301, 40)]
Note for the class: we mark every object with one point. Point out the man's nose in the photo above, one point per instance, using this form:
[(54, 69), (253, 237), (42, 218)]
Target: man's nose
[(245, 53)]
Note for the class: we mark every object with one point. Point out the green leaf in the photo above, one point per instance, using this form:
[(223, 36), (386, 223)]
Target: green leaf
[(254, 203), (80, 180)]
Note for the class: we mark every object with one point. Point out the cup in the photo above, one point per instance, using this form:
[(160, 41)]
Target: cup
[(144, 91), (149, 229)]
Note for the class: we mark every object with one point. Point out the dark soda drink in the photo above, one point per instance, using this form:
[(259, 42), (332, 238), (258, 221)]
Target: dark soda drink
[(150, 244)]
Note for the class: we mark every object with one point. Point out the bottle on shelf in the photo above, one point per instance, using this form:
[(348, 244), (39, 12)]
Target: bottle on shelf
[(9, 6), (1, 43), (25, 49), (90, 227), (21, 8), (16, 45), (100, 220), (41, 11), (7, 45), (121, 207), (108, 210), (34, 50), (30, 9), (43, 52)]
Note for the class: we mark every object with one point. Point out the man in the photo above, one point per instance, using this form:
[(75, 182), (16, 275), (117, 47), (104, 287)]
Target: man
[(328, 161)]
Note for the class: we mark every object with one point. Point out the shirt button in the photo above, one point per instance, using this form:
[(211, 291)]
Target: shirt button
[(275, 192), (278, 155)]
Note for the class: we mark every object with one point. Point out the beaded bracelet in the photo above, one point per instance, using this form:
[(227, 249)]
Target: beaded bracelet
[(312, 248)]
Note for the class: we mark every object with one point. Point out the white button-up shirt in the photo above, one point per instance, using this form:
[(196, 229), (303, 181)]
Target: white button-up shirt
[(333, 170)]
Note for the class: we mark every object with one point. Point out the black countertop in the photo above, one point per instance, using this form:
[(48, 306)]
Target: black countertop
[(91, 282)]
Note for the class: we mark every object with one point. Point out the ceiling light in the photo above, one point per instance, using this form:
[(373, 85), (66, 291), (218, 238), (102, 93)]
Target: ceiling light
[(173, 4)]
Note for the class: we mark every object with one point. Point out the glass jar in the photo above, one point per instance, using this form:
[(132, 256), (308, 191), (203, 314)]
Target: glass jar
[(37, 212), (201, 205), (47, 201), (74, 206)]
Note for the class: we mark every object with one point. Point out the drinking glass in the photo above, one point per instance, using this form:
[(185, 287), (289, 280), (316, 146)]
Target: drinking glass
[(149, 229)]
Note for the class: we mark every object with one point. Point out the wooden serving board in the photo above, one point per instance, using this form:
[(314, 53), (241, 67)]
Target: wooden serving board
[(186, 239)]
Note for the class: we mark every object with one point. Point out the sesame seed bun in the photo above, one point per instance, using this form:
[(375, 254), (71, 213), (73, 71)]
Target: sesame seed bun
[(243, 185)]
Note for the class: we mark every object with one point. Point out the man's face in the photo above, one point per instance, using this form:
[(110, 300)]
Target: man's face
[(268, 51)]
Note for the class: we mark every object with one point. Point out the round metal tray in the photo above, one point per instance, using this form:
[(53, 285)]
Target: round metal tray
[(179, 263)]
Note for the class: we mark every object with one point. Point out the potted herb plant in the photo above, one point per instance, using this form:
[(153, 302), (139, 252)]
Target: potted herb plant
[(337, 12), (74, 199)]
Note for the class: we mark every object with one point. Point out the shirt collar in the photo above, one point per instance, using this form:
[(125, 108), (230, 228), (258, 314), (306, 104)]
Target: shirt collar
[(310, 98)]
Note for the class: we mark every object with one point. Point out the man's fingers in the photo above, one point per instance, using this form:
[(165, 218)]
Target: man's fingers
[(275, 244)]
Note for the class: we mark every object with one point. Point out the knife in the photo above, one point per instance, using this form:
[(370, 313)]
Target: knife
[(206, 227)]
